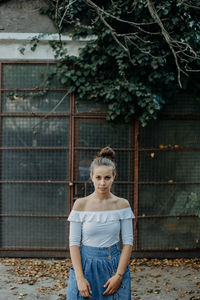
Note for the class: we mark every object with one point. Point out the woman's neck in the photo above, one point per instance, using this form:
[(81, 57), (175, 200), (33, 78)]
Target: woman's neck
[(101, 197)]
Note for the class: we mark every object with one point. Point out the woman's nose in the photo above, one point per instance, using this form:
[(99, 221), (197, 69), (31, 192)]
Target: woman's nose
[(102, 181)]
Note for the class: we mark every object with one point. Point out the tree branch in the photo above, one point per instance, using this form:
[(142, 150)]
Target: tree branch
[(167, 37)]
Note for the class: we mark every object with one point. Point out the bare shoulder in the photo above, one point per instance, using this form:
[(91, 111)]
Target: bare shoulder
[(79, 204), (122, 203)]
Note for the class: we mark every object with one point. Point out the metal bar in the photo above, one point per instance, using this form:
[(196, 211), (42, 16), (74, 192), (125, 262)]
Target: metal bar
[(168, 183), (143, 183), (34, 216), (51, 115), (0, 87), (116, 181), (136, 176), (79, 181), (166, 216), (1, 134), (72, 149), (70, 159), (34, 249), (131, 162), (179, 117), (102, 115), (33, 182), (97, 149), (85, 189), (91, 116), (33, 148), (179, 149), (177, 249), (66, 249), (28, 62), (32, 89)]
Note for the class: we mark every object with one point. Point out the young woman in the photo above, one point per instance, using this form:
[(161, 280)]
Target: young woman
[(100, 269)]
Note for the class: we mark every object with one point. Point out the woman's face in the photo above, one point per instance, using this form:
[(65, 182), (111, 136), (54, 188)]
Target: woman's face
[(102, 179)]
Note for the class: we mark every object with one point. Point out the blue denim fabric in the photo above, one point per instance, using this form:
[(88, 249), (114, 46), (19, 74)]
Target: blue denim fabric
[(99, 264)]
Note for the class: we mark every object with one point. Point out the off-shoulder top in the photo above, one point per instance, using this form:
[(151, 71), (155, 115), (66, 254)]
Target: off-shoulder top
[(101, 228)]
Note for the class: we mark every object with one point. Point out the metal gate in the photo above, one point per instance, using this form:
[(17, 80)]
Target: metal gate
[(48, 139)]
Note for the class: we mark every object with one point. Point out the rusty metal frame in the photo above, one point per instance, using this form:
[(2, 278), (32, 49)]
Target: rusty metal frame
[(136, 178), (71, 158), (72, 116), (31, 115), (0, 136)]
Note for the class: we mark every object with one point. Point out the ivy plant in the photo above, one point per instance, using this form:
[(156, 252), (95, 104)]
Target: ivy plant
[(139, 55)]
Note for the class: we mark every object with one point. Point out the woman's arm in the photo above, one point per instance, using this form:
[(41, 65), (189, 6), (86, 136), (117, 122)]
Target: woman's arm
[(82, 283), (124, 260), (74, 241), (127, 238)]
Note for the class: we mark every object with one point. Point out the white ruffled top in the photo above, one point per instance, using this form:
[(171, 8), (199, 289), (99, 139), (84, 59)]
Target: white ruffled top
[(101, 228)]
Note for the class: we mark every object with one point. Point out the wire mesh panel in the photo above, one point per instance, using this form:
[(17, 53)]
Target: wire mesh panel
[(34, 158), (168, 174), (165, 199), (90, 136), (31, 232), (95, 133), (35, 165), (35, 101), (182, 104), (168, 233), (170, 134), (34, 198), (83, 159), (169, 166), (31, 75), (48, 140), (35, 132), (89, 106)]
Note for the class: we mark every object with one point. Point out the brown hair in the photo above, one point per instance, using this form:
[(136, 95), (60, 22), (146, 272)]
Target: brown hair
[(106, 157)]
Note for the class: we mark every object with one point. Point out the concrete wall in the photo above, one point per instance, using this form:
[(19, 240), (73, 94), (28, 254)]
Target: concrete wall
[(20, 21), (24, 16)]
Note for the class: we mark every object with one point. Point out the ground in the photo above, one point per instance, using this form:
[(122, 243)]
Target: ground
[(152, 279)]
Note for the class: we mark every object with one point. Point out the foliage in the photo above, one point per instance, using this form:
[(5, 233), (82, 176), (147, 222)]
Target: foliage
[(139, 55), (194, 204)]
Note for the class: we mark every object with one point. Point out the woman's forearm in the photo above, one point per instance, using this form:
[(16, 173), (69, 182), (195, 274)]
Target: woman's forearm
[(76, 261), (124, 259)]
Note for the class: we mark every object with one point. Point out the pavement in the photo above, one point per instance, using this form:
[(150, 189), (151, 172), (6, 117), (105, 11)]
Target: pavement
[(32, 279)]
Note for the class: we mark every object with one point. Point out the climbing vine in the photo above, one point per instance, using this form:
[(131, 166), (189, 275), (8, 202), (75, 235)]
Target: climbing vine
[(140, 52)]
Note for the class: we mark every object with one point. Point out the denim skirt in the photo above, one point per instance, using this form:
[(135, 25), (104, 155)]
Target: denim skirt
[(99, 264)]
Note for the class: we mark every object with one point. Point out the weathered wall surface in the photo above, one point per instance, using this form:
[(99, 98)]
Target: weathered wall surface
[(20, 21), (24, 16)]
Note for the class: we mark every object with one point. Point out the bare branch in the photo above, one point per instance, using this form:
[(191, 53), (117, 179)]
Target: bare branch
[(189, 5), (51, 111), (65, 12), (111, 29), (56, 13), (167, 37), (134, 24)]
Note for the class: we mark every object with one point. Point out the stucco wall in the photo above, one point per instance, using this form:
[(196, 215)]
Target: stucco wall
[(24, 16)]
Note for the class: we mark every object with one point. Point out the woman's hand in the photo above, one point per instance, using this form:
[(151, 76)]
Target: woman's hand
[(84, 287), (112, 285)]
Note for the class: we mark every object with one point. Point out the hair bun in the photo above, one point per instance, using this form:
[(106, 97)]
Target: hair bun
[(108, 153)]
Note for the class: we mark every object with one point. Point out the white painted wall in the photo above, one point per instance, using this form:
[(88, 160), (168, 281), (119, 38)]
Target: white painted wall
[(10, 43)]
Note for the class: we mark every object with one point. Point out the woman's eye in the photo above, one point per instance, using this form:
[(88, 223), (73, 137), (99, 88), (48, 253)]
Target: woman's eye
[(107, 177)]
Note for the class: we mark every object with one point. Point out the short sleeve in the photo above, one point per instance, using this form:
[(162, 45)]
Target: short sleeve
[(127, 231), (75, 233)]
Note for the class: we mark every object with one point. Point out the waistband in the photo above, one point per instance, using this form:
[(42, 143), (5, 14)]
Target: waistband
[(113, 250)]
